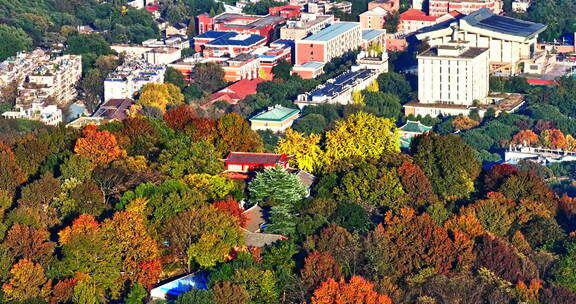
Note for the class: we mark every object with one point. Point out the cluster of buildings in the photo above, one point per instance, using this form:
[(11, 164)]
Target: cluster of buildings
[(43, 83)]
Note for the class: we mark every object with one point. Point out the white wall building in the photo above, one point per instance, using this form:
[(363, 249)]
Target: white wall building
[(521, 5), (48, 114), (453, 74), (56, 78), (129, 78)]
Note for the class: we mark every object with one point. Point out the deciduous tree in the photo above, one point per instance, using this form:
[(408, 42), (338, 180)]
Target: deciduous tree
[(232, 207), (160, 96), (357, 291), (25, 242), (319, 267), (235, 134), (525, 137), (28, 282), (553, 139), (100, 147), (308, 154), (179, 117), (416, 185)]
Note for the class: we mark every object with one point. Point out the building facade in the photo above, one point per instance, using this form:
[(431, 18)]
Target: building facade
[(330, 42), (391, 6), (276, 119), (308, 24), (466, 7), (374, 18), (130, 77), (452, 74), (239, 23)]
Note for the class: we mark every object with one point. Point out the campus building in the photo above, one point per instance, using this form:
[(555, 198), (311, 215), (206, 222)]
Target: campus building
[(391, 6), (227, 44), (512, 42), (374, 18), (414, 20), (330, 42), (277, 119), (306, 25), (243, 24)]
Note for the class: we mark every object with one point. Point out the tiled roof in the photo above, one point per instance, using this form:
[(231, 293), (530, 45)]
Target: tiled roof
[(255, 158), (278, 113), (415, 126), (261, 239), (416, 15), (332, 31), (240, 89)]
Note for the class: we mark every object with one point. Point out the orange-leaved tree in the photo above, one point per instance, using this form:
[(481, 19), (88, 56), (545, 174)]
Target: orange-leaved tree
[(525, 137), (100, 147), (357, 291), (28, 282)]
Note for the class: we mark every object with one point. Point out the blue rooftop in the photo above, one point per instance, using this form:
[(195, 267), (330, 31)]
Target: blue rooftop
[(485, 19), (213, 34), (371, 34), (237, 39), (313, 64), (333, 31)]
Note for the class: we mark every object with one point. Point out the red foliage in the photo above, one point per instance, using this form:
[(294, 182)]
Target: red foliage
[(543, 125), (11, 175), (84, 223), (358, 291), (180, 117), (100, 147), (62, 292), (149, 273), (416, 184), (136, 127), (25, 242), (203, 129), (554, 138), (497, 175), (232, 207), (525, 137), (319, 267), (500, 258)]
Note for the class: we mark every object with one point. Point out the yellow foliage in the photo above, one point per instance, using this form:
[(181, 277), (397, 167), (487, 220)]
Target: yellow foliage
[(160, 96), (362, 136), (306, 150), (570, 143), (373, 86), (357, 97), (139, 206)]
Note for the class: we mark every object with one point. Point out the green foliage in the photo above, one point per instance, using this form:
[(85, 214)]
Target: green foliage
[(282, 220), (383, 104), (137, 295), (395, 84), (174, 77), (311, 123), (276, 186), (261, 7), (566, 271), (352, 217), (196, 296), (14, 40), (182, 156)]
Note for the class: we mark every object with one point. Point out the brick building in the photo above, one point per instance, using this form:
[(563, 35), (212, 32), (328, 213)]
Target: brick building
[(266, 26), (330, 42)]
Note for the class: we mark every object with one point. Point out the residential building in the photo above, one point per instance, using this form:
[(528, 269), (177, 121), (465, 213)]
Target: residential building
[(391, 6), (239, 23), (243, 162), (38, 110), (410, 130), (338, 90), (237, 91), (521, 6), (453, 74), (55, 78), (227, 44), (277, 119), (330, 42), (243, 66), (130, 77), (308, 24), (414, 20), (466, 7), (511, 41), (176, 29), (374, 18), (16, 68)]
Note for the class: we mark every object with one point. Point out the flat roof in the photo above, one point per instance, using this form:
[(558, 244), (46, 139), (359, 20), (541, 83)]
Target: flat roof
[(333, 31), (485, 19), (469, 53), (278, 113), (238, 39), (371, 34), (312, 65), (336, 86)]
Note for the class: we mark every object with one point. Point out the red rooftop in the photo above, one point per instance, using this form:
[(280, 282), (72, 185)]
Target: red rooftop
[(247, 162)]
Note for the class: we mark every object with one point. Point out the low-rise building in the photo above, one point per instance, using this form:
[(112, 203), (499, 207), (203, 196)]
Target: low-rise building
[(162, 56), (240, 23), (373, 37), (243, 66), (176, 29), (243, 162), (114, 109), (330, 42), (324, 7), (337, 90), (414, 20), (521, 6), (391, 6), (309, 70), (270, 56), (286, 11), (374, 18), (130, 77), (16, 68), (277, 119), (236, 91), (410, 130), (308, 24), (222, 44)]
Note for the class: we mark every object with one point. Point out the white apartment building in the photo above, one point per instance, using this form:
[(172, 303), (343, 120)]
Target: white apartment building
[(56, 78), (453, 75), (16, 68), (308, 24), (130, 77), (511, 41)]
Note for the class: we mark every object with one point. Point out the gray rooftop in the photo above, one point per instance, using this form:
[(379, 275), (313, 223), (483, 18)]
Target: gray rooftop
[(469, 53), (332, 31)]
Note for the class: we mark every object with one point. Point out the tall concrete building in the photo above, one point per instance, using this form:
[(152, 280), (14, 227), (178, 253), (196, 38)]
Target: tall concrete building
[(453, 75), (130, 77)]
